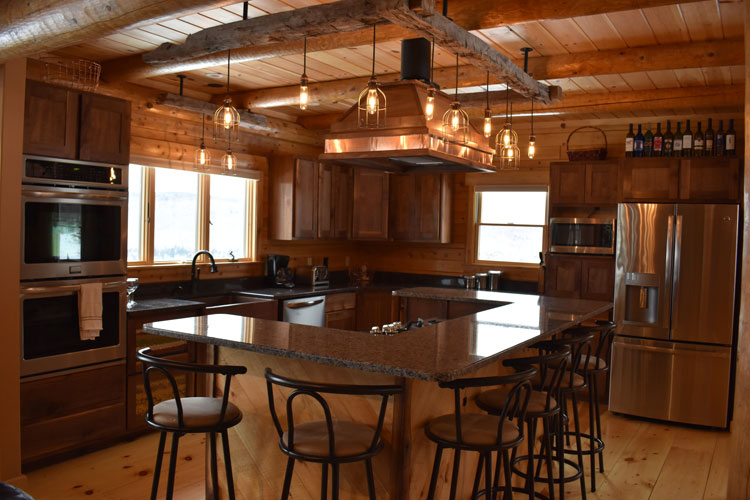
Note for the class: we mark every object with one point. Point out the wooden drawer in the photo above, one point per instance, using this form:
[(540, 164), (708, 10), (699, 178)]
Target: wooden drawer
[(339, 301), (345, 319)]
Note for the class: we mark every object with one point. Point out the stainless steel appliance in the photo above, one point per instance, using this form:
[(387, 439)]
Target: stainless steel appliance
[(675, 308), (74, 219), (308, 311), (582, 235), (50, 336)]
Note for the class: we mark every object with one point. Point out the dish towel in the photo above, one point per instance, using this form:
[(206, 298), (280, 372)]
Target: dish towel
[(90, 311)]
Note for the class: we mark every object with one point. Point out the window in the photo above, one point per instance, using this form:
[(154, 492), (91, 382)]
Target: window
[(511, 224), (174, 213)]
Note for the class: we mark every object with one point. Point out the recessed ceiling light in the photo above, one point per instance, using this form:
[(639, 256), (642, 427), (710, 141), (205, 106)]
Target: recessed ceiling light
[(213, 75)]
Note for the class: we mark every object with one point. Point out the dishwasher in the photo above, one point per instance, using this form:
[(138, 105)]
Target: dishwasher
[(308, 311)]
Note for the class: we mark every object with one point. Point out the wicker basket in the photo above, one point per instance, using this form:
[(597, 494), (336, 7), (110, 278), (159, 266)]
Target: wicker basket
[(78, 74), (599, 153)]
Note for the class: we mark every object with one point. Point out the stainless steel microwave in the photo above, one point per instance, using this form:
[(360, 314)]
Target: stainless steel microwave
[(582, 235)]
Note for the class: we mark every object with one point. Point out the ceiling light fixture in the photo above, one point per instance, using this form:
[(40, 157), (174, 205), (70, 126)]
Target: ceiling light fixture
[(532, 137), (202, 155), (226, 117), (429, 107), (506, 141), (371, 105), (487, 112), (455, 120), (229, 161), (304, 96)]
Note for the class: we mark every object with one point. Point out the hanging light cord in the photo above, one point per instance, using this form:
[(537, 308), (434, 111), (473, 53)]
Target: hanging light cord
[(373, 50), (456, 92), (432, 62), (229, 55), (487, 89), (532, 117), (203, 128), (507, 100), (304, 59)]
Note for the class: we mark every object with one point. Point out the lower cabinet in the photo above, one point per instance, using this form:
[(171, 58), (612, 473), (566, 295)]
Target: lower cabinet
[(440, 309), (375, 307), (341, 311), (580, 277)]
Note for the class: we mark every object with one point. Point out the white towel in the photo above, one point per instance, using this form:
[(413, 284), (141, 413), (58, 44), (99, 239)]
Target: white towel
[(90, 311)]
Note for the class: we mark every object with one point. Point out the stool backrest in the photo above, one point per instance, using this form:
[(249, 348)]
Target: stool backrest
[(166, 367), (580, 355), (516, 401), (606, 331), (552, 360), (315, 391)]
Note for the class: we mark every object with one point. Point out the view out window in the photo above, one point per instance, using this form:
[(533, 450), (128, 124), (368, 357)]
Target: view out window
[(173, 213), (510, 224)]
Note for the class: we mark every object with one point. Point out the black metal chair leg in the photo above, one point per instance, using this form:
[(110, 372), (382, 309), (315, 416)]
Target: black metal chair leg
[(454, 476), (531, 438), (157, 468), (508, 495), (172, 465), (561, 453), (598, 424), (324, 481), (579, 446), (214, 466), (335, 482), (227, 463), (477, 477), (435, 471), (287, 478), (370, 480), (489, 491), (592, 422), (547, 451)]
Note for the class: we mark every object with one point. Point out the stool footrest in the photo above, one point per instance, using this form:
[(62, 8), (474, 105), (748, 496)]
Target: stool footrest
[(522, 474), (499, 490), (588, 451)]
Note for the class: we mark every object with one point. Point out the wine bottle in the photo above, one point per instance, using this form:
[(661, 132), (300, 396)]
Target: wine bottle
[(638, 143), (668, 140), (629, 143), (648, 141), (710, 136), (730, 139), (687, 140), (658, 141), (677, 146), (720, 140), (698, 142)]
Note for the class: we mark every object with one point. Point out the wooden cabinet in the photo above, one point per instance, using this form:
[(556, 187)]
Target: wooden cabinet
[(420, 207), (375, 307), (579, 277), (584, 183), (341, 311), (710, 179), (334, 201), (370, 210), (650, 179), (425, 308), (64, 123), (293, 198)]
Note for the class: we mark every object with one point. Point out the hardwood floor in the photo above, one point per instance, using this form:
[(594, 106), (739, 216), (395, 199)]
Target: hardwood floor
[(642, 460)]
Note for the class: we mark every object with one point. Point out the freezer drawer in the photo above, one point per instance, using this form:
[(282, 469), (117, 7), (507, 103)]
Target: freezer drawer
[(686, 383)]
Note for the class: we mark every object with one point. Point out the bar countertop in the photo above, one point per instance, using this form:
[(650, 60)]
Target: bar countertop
[(443, 351)]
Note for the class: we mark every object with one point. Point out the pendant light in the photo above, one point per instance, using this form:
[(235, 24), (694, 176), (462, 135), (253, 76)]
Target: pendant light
[(532, 137), (202, 155), (304, 96), (429, 106), (229, 161), (455, 120), (371, 105), (487, 113), (509, 154), (226, 117), (507, 136)]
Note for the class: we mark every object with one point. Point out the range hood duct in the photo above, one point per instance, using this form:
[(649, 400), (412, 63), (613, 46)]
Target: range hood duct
[(408, 142)]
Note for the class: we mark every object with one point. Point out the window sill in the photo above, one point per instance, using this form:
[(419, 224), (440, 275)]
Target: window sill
[(180, 271)]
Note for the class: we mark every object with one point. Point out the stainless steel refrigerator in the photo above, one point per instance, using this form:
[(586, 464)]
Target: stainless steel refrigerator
[(675, 273)]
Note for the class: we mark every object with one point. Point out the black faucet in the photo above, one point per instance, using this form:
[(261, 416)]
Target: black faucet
[(195, 274)]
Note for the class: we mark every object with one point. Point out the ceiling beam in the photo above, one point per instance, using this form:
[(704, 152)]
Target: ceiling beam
[(30, 27), (628, 60)]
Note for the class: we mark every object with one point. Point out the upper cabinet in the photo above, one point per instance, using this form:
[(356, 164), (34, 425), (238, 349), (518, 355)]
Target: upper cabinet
[(710, 179), (420, 207), (370, 211), (334, 202), (583, 183), (64, 123), (647, 179)]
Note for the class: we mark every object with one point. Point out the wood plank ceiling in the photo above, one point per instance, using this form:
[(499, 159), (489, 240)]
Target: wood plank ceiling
[(685, 24)]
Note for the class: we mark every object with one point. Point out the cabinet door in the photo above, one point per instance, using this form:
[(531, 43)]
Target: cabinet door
[(325, 203), (710, 179), (305, 224), (421, 207), (50, 125), (370, 212), (105, 129), (346, 319), (566, 181), (601, 183), (650, 179), (374, 307), (563, 276), (341, 202), (426, 309), (597, 278), (401, 207)]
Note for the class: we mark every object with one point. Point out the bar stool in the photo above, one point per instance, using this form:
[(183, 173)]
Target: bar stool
[(482, 433), (329, 441), (596, 364), (182, 415), (552, 360)]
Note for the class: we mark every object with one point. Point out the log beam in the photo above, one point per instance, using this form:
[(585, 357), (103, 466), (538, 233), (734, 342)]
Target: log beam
[(30, 27)]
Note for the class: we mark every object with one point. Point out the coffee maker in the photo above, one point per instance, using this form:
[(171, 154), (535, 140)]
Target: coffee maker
[(277, 271)]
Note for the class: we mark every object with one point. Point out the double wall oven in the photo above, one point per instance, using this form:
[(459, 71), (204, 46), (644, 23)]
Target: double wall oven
[(73, 233)]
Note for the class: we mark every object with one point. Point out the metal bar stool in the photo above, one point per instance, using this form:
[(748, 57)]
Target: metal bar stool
[(182, 416), (328, 441), (552, 361), (596, 364), (482, 433)]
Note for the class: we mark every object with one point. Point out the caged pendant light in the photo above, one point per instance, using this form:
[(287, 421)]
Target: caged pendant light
[(487, 114), (507, 153), (371, 105), (455, 121), (507, 136), (429, 106), (202, 155), (226, 117), (304, 95)]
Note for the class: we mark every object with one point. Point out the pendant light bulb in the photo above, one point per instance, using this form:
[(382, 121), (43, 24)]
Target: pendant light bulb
[(202, 155), (532, 146), (304, 96), (371, 104), (227, 118), (487, 123), (429, 107), (372, 101), (229, 162)]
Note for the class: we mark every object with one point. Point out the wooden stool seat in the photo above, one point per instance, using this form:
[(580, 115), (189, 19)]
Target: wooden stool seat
[(538, 403), (311, 438), (476, 430), (576, 382), (197, 413)]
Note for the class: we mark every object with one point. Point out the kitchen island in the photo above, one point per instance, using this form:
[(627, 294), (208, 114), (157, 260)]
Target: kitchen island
[(465, 346)]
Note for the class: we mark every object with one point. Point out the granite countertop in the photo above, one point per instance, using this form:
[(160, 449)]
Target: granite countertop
[(443, 351), (144, 306), (463, 295)]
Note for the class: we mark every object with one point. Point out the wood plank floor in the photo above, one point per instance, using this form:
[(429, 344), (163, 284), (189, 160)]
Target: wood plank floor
[(643, 460)]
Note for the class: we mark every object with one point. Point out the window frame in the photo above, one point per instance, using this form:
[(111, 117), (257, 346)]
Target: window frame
[(477, 207), (148, 202)]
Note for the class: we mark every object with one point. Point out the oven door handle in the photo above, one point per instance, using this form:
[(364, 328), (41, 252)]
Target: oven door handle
[(88, 195), (44, 290)]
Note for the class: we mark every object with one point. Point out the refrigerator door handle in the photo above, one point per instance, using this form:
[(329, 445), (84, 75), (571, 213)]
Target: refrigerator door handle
[(666, 304), (676, 271)]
